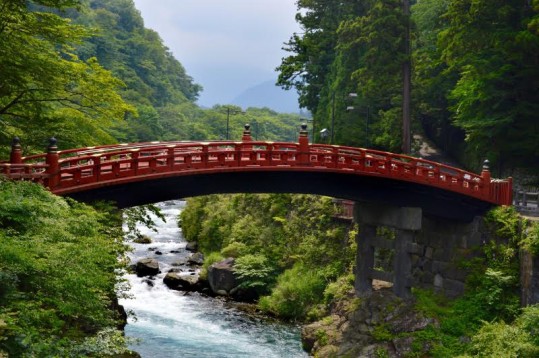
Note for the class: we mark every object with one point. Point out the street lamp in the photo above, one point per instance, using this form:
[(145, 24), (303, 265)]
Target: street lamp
[(324, 133), (366, 112), (230, 111)]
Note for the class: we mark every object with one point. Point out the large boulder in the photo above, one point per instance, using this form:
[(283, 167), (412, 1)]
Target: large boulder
[(221, 277), (196, 259), (191, 246), (147, 267), (182, 281)]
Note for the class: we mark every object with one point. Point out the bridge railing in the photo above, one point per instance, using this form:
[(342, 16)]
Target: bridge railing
[(66, 170), (526, 200)]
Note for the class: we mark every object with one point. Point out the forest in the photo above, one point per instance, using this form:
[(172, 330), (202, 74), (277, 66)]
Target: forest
[(88, 72), (475, 74)]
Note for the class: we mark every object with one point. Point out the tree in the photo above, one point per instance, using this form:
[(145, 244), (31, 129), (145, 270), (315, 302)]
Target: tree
[(377, 39), (59, 277), (45, 89), (494, 48)]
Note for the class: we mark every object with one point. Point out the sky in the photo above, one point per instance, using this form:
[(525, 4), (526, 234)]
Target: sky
[(226, 46)]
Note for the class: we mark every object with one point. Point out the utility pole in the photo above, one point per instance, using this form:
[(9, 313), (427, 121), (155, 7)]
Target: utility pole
[(230, 111), (407, 83), (332, 138)]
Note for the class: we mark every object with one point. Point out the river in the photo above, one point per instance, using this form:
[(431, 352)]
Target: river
[(171, 324)]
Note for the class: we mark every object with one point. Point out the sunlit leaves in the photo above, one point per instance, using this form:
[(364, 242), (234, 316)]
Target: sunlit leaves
[(58, 270)]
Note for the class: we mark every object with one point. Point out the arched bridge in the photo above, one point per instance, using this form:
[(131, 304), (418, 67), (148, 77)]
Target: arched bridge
[(139, 173)]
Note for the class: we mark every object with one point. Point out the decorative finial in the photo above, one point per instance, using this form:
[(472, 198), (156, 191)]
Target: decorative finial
[(52, 144), (15, 142), (304, 126), (486, 165), (247, 126)]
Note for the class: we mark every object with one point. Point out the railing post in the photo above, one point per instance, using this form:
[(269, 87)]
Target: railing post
[(485, 176), (16, 151), (509, 193), (246, 137), (303, 145), (52, 164)]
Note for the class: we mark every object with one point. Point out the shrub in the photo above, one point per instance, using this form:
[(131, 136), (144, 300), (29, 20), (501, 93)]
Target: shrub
[(297, 290), (59, 263), (234, 249), (209, 259), (254, 272)]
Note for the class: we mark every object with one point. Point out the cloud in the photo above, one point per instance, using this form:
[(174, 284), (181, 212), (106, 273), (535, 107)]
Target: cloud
[(210, 36)]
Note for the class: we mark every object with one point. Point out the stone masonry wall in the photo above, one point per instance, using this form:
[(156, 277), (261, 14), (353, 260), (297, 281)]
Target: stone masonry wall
[(442, 247)]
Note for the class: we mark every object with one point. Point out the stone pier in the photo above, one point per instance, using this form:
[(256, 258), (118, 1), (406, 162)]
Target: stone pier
[(406, 222), (426, 252)]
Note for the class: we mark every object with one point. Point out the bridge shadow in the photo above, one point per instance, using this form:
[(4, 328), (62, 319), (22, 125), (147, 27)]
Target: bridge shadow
[(434, 202)]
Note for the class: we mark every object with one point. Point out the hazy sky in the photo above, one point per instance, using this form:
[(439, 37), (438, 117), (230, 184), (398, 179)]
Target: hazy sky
[(226, 46)]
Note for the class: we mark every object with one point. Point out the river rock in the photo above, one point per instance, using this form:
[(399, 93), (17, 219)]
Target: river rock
[(196, 259), (147, 267), (177, 281), (142, 239), (191, 246), (221, 276)]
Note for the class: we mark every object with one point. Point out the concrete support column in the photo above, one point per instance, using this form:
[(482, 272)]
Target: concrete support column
[(364, 259), (402, 264)]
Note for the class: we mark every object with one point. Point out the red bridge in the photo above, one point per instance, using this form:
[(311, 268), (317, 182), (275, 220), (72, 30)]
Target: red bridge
[(139, 173)]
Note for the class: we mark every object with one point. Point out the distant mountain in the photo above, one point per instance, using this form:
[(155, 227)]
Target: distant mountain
[(267, 94)]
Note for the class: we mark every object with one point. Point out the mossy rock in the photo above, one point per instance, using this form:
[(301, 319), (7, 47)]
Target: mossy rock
[(142, 239)]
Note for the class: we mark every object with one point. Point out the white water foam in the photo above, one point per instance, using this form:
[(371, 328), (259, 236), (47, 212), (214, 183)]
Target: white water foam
[(171, 324)]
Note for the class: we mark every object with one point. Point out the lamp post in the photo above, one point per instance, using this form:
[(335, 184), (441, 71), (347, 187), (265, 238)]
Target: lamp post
[(230, 111), (406, 86), (311, 121), (366, 112), (324, 133)]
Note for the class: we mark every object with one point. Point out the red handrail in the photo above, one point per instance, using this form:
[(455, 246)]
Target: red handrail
[(79, 169)]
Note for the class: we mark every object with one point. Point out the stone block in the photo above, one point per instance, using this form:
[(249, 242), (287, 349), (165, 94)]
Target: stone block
[(453, 288), (438, 281), (428, 252), (428, 278), (427, 265), (436, 241), (385, 215), (474, 239), (440, 267), (442, 254), (414, 248)]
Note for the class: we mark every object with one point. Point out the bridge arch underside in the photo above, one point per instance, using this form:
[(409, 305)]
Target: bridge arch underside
[(434, 201)]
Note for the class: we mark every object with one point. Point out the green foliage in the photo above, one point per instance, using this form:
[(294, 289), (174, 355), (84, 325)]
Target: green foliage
[(382, 333), (489, 313), (531, 240), (234, 249), (339, 289), (58, 271), (430, 303), (519, 339), (209, 260), (45, 88), (489, 44), (270, 233), (297, 289), (254, 272), (140, 215)]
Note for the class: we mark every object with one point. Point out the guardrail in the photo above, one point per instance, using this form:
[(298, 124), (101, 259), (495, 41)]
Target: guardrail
[(526, 200)]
